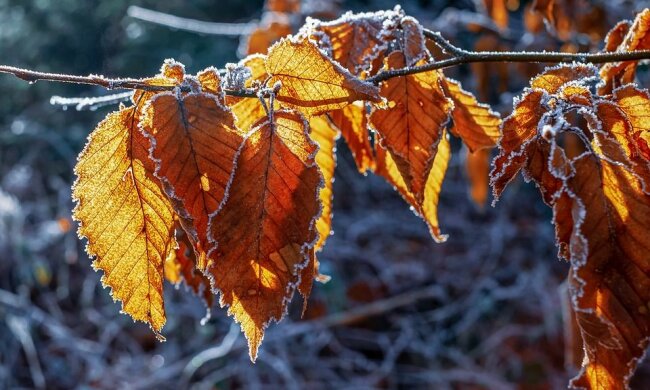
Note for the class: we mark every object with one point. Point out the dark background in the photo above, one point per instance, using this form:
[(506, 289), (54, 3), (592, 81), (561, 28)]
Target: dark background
[(481, 311)]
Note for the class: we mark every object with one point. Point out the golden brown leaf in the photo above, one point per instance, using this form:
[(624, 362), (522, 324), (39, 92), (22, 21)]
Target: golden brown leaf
[(352, 121), (428, 207), (322, 132), (194, 142), (180, 266), (310, 81), (600, 211), (475, 123), (616, 74), (410, 127), (125, 216), (266, 229), (355, 40)]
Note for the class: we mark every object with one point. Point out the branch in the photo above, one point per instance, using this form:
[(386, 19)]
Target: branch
[(461, 56), (34, 76), (191, 25)]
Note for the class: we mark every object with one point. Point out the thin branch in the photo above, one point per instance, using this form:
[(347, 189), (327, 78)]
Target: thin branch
[(460, 56), (34, 76), (191, 25), (466, 57), (90, 103)]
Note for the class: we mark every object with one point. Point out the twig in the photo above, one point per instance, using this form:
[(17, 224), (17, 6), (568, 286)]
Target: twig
[(90, 103), (191, 25), (460, 57), (32, 76)]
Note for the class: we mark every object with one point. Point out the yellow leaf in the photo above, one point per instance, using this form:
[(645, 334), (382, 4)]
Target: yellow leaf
[(265, 231), (125, 216), (312, 82)]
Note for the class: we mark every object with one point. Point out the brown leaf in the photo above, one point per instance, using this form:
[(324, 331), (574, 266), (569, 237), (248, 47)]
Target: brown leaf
[(266, 230), (410, 127), (637, 37), (475, 123), (352, 121), (600, 211), (428, 207), (125, 216), (180, 266), (354, 40), (310, 81), (325, 136), (194, 143), (267, 34)]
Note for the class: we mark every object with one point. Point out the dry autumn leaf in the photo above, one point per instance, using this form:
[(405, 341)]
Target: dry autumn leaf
[(325, 136), (592, 196), (477, 166), (194, 143), (410, 127), (637, 37), (475, 123), (310, 81), (428, 207), (180, 266), (266, 231), (352, 121), (125, 216)]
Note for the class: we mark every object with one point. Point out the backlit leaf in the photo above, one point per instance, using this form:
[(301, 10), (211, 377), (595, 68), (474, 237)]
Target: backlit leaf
[(265, 231), (477, 165), (322, 132), (194, 142), (410, 127), (475, 123), (352, 121), (600, 211), (310, 81), (125, 216), (637, 37), (428, 207)]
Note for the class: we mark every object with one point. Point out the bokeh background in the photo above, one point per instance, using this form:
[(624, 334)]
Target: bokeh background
[(481, 311)]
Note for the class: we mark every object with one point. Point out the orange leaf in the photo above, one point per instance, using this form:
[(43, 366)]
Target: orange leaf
[(475, 123), (266, 230), (497, 11), (180, 265), (310, 81), (194, 141), (355, 40), (637, 37), (600, 211), (411, 126), (247, 111), (322, 132), (352, 121), (428, 207), (125, 216)]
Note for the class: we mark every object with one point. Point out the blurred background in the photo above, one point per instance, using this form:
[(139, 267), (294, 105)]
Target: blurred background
[(481, 311)]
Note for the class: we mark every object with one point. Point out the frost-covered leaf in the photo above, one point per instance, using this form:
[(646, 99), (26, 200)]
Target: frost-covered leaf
[(194, 143), (428, 207), (325, 136), (352, 121), (125, 216), (312, 82), (265, 231), (637, 37), (411, 126), (600, 210), (475, 123)]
